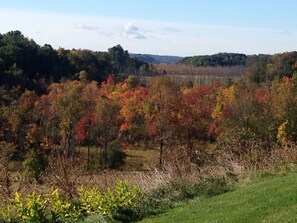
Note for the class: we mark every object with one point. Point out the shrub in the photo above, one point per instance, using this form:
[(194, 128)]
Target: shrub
[(62, 210), (6, 213), (31, 210), (35, 163), (91, 201), (214, 186), (123, 196), (116, 157), (6, 152), (91, 205)]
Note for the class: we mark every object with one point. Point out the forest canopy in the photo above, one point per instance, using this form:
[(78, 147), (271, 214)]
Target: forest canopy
[(23, 62)]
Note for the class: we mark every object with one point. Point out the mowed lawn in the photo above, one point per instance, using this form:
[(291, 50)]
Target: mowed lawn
[(272, 199)]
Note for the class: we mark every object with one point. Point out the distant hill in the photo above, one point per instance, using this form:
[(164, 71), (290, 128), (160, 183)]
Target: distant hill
[(156, 59), (219, 59)]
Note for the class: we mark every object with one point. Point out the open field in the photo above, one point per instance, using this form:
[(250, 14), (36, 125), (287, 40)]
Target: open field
[(136, 159)]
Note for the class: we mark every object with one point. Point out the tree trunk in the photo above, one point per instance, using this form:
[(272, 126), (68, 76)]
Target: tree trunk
[(89, 139), (88, 158), (161, 152), (105, 155)]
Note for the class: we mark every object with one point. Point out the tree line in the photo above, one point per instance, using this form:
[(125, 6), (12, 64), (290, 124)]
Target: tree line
[(219, 59), (260, 68), (26, 64), (23, 62)]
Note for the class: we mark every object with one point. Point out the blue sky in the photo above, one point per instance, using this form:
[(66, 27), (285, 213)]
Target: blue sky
[(166, 27)]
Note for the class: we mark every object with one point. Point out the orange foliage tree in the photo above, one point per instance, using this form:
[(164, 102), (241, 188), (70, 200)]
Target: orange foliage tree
[(161, 109), (195, 115)]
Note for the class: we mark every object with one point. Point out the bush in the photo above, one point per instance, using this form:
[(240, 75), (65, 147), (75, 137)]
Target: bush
[(214, 186), (32, 210), (91, 206), (6, 152), (35, 163), (115, 157), (62, 210), (123, 196)]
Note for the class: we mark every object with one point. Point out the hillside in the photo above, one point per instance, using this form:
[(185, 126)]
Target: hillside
[(273, 199), (219, 59), (157, 59)]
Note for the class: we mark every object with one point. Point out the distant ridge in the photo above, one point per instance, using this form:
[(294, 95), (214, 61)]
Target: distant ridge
[(157, 59), (219, 59)]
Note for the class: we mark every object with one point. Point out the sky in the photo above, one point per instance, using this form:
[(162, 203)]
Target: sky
[(163, 27)]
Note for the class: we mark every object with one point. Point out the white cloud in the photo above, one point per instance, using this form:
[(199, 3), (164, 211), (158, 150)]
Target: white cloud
[(133, 32), (86, 27), (129, 31), (108, 32)]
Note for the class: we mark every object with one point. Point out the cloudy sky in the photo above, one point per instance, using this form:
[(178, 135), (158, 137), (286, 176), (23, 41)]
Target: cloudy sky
[(164, 27)]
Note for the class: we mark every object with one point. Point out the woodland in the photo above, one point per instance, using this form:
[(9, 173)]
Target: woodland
[(71, 121)]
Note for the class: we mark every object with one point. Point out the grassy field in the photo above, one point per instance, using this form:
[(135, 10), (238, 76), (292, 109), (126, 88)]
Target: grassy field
[(141, 160), (271, 199), (136, 159)]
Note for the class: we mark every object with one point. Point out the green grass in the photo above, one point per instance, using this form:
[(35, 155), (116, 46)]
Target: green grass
[(271, 199)]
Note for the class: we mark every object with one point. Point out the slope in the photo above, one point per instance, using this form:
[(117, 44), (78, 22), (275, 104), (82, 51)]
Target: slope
[(272, 199)]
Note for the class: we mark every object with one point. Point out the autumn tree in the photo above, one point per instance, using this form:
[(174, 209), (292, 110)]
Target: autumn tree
[(195, 116), (85, 126), (245, 117), (130, 98), (22, 119), (25, 122), (67, 108), (284, 105), (133, 127), (7, 98), (107, 125), (161, 107)]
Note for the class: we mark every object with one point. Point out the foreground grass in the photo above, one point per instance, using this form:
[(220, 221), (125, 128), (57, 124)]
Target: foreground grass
[(272, 199)]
